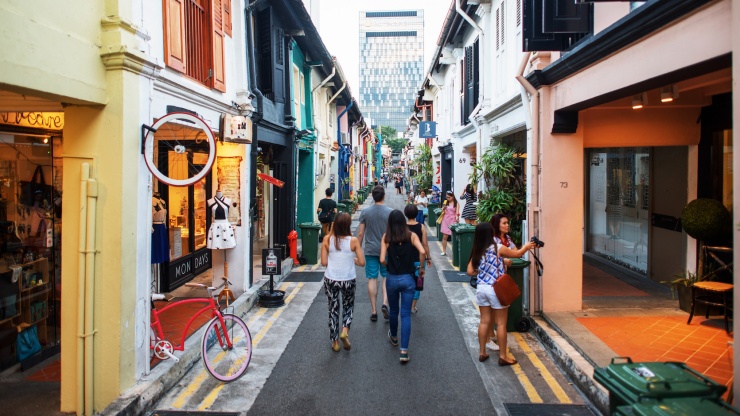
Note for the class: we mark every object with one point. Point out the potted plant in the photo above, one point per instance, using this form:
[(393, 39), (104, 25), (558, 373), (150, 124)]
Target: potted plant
[(505, 189), (681, 288)]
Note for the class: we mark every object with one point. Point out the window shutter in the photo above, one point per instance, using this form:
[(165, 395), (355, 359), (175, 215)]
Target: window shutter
[(218, 76), (174, 34), (227, 17)]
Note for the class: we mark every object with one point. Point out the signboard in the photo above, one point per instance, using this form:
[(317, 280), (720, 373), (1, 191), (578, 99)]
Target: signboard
[(428, 129), (228, 168), (272, 261)]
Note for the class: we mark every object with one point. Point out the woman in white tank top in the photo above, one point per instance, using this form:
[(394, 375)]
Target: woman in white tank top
[(340, 253)]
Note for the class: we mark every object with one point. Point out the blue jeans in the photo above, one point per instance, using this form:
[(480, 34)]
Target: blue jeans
[(402, 286)]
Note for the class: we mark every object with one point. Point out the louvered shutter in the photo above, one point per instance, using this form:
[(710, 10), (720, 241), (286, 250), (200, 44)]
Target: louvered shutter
[(174, 34), (227, 17), (469, 82), (218, 75)]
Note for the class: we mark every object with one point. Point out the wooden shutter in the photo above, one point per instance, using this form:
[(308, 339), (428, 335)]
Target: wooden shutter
[(227, 17), (469, 83), (174, 34), (218, 75)]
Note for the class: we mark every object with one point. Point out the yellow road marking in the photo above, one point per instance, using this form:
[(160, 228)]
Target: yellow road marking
[(315, 266), (549, 379), (534, 397), (211, 397)]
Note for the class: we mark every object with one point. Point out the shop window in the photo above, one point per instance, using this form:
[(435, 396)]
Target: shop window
[(194, 39), (618, 209)]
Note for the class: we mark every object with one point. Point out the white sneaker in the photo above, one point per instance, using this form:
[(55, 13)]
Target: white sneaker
[(443, 254), (492, 346)]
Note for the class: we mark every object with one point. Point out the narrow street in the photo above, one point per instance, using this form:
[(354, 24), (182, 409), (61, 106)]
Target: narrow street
[(294, 371)]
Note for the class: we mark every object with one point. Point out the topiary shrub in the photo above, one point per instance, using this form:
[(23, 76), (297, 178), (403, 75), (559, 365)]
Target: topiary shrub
[(706, 219)]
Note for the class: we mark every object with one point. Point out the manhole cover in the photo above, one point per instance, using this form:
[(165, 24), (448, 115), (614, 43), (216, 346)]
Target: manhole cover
[(456, 276), (305, 277), (538, 409)]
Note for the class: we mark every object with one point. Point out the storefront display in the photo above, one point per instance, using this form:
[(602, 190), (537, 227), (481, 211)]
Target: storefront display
[(30, 229)]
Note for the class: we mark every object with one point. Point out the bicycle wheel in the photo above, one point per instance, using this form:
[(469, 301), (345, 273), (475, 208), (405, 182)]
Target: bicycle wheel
[(224, 363), (181, 151)]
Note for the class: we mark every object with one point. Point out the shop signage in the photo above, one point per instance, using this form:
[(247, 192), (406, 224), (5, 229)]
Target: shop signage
[(228, 168), (189, 266), (428, 129), (51, 121), (236, 129)]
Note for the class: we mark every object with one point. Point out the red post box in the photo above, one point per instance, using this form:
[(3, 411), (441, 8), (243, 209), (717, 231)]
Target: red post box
[(293, 243)]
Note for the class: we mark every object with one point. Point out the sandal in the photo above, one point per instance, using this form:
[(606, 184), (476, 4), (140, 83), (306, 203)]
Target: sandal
[(503, 363), (345, 341), (482, 358), (374, 317)]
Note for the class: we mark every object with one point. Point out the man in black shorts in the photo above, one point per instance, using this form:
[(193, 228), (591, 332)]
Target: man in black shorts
[(327, 210)]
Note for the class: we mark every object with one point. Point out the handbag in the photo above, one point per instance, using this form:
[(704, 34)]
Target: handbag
[(325, 216), (27, 343), (506, 290), (37, 184), (474, 282), (439, 219)]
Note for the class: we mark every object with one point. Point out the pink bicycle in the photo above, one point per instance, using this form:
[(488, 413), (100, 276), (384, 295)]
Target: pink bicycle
[(226, 346)]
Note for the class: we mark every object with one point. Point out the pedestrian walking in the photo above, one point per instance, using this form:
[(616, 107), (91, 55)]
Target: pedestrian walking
[(411, 213), (396, 251), (500, 224), (373, 221), (486, 262), (327, 210), (398, 186), (340, 253), (450, 215), (470, 198), (421, 202)]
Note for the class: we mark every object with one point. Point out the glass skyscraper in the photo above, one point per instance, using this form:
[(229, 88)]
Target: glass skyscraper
[(391, 64)]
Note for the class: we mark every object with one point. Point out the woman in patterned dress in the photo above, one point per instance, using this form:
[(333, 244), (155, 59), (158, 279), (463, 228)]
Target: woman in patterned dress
[(451, 214), (468, 213)]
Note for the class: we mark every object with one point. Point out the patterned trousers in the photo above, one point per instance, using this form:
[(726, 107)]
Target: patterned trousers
[(333, 288)]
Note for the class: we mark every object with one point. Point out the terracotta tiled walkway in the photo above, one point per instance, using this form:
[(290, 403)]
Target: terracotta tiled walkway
[(50, 372), (645, 330)]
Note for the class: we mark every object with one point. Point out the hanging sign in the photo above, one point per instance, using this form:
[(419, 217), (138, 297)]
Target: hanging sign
[(428, 129)]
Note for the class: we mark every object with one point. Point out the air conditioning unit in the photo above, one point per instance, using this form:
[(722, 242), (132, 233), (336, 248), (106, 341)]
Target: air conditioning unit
[(356, 150), (345, 138)]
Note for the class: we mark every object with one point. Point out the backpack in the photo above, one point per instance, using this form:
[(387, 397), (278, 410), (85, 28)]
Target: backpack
[(325, 216)]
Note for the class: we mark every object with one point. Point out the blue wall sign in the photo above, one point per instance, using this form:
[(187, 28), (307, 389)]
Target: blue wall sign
[(428, 129)]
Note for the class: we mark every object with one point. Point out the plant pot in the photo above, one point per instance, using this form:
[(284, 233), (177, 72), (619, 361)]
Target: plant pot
[(684, 301)]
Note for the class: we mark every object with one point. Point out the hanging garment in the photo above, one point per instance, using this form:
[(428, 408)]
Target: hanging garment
[(221, 234)]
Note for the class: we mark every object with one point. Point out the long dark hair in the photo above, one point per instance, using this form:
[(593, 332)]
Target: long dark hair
[(496, 223), (341, 227), (469, 189), (450, 193), (397, 231), (482, 239)]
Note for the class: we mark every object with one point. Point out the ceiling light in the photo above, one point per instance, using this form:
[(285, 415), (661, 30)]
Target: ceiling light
[(639, 101), (668, 93)]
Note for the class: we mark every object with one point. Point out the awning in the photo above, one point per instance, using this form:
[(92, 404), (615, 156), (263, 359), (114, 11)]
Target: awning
[(270, 179)]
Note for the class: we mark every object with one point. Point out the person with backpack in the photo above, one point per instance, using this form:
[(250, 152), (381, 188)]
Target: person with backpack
[(327, 210)]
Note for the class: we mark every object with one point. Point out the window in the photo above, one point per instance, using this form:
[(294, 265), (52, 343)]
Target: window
[(194, 33), (471, 81)]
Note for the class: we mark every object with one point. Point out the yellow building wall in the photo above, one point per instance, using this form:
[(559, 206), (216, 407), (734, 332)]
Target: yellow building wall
[(51, 49)]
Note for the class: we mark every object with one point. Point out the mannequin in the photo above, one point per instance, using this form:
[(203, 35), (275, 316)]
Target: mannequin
[(221, 233), (160, 239)]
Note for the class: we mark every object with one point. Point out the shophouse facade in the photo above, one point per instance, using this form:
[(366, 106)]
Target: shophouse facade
[(102, 108)]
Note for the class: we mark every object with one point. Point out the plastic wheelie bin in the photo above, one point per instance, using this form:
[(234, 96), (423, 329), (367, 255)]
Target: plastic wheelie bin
[(350, 205), (642, 383), (685, 406), (455, 243), (465, 233), (431, 213), (342, 207), (515, 320), (310, 241)]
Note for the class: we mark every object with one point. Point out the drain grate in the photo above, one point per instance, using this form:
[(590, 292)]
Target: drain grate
[(537, 409), (191, 413), (305, 277), (456, 276)]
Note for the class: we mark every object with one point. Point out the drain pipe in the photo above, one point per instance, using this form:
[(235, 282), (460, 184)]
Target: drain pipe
[(82, 234), (313, 91), (532, 118), (90, 250)]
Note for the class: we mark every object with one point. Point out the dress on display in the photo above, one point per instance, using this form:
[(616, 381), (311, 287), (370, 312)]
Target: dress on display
[(160, 239), (221, 233)]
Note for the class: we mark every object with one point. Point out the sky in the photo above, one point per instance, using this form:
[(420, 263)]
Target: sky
[(338, 26)]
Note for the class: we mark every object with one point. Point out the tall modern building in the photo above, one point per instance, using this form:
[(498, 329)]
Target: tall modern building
[(391, 64)]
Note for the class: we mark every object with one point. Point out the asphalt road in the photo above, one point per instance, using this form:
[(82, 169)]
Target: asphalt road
[(294, 370)]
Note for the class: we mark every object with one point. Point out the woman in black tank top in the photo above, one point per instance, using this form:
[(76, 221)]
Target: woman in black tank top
[(412, 212), (397, 254)]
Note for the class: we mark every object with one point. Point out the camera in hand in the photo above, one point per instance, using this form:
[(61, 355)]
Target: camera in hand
[(537, 241)]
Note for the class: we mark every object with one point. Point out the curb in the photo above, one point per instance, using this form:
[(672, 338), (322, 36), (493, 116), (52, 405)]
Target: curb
[(150, 389), (572, 362)]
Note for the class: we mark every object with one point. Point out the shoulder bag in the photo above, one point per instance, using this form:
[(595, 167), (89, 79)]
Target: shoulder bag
[(506, 290)]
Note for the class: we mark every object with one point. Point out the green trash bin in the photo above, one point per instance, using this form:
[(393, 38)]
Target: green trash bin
[(432, 213), (631, 383), (465, 233), (515, 320), (350, 205), (438, 212), (342, 208), (455, 243), (310, 241), (682, 406)]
